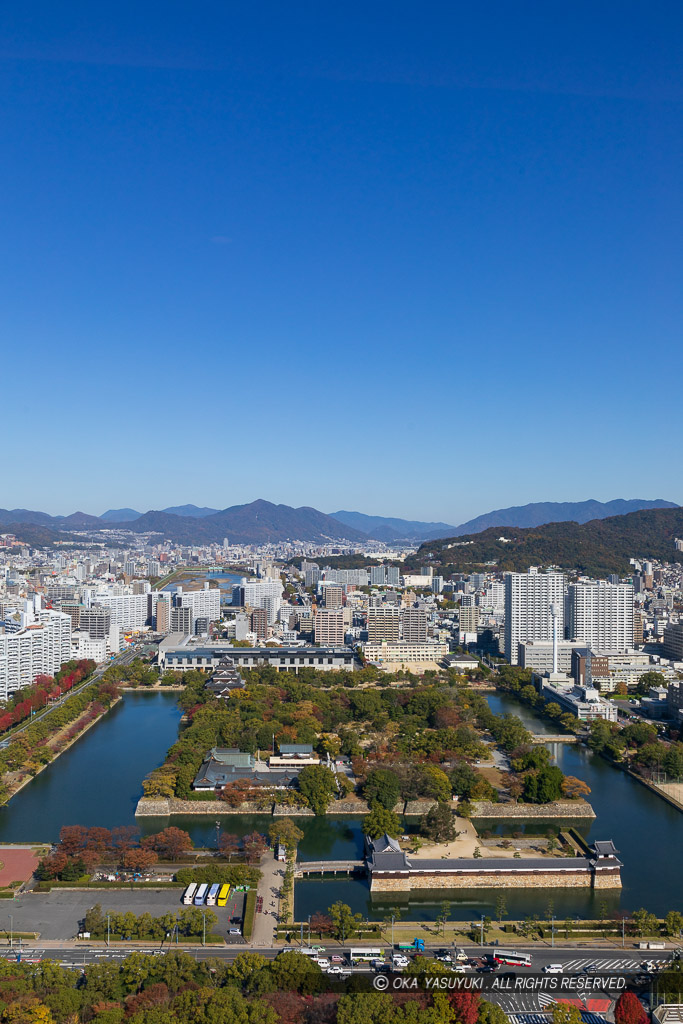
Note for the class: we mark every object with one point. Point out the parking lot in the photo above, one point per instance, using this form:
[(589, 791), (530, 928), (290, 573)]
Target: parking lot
[(56, 915)]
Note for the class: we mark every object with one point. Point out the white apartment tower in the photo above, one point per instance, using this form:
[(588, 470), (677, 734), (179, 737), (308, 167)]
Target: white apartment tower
[(528, 597), (601, 615)]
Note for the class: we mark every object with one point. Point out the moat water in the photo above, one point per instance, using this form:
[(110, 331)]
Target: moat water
[(98, 782)]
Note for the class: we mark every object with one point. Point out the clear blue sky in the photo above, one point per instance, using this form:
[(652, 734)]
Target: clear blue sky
[(417, 259)]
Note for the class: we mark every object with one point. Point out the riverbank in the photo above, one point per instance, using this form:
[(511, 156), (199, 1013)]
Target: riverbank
[(566, 809), (16, 787)]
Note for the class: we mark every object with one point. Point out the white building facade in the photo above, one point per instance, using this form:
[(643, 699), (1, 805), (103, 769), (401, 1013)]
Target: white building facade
[(528, 600)]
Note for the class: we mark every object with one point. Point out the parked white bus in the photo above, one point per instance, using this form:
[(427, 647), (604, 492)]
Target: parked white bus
[(212, 895), (188, 895), (200, 895)]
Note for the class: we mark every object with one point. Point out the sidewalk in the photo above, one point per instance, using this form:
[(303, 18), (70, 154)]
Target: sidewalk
[(264, 923)]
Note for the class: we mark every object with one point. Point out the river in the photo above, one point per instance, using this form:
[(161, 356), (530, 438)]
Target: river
[(98, 782)]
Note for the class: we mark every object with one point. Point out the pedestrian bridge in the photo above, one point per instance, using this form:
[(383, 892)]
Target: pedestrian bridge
[(563, 737), (328, 867)]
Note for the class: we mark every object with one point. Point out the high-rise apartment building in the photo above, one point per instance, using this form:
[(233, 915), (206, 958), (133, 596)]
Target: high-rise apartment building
[(259, 594), (469, 619), (258, 623), (96, 622), (528, 600), (182, 620), (42, 647), (329, 627), (384, 623), (205, 603), (673, 642), (600, 614), (333, 595), (414, 625), (161, 618)]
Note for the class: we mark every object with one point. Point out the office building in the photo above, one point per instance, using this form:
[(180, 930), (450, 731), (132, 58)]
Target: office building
[(528, 601), (601, 615), (537, 655), (398, 652)]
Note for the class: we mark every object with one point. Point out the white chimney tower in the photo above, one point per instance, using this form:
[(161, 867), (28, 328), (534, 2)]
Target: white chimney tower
[(555, 612)]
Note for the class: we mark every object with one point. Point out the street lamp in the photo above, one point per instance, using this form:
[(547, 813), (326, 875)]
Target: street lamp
[(203, 927), (11, 931), (481, 942), (393, 918), (108, 919), (309, 929)]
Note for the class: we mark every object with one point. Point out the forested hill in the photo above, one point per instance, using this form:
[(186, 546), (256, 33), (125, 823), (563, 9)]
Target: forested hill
[(597, 548)]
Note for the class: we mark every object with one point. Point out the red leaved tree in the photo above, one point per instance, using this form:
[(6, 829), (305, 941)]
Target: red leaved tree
[(629, 1009)]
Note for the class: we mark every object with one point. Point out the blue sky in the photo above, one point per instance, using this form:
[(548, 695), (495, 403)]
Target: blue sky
[(413, 259)]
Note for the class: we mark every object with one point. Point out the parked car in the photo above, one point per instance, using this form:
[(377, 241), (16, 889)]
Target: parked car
[(553, 969)]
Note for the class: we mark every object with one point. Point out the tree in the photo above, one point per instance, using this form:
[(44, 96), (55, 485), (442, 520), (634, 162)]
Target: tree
[(574, 788), (438, 824), (380, 821), (565, 1013), (644, 923), (673, 922), (293, 972), (466, 1006), (544, 786), (286, 833), (321, 923), (436, 783), (254, 846), (491, 1013), (228, 845), (170, 843), (344, 922), (629, 1010), (139, 860), (382, 788), (316, 783), (366, 1008)]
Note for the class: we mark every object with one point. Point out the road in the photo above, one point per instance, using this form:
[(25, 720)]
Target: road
[(573, 960), (124, 658)]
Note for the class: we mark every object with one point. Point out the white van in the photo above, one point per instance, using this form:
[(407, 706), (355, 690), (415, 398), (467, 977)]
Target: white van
[(553, 969)]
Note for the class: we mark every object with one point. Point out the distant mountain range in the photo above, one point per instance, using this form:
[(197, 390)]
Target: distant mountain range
[(262, 522), (541, 512), (390, 530), (598, 547)]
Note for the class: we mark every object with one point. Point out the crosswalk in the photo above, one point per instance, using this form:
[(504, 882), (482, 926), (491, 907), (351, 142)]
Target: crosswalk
[(612, 964)]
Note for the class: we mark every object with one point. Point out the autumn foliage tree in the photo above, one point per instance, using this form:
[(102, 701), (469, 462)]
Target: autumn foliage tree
[(574, 788), (466, 1006), (170, 843), (629, 1009)]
